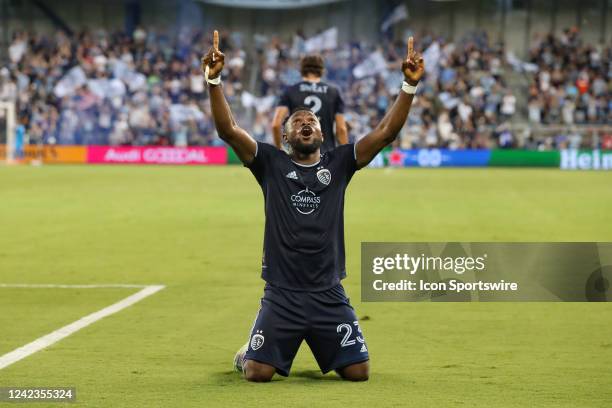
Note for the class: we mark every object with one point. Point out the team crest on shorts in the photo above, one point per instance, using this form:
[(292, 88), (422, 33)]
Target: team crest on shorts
[(257, 340), (324, 176)]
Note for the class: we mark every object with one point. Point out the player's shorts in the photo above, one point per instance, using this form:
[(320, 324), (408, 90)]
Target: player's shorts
[(326, 320)]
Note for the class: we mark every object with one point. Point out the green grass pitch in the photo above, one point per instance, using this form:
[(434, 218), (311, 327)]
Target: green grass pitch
[(199, 231)]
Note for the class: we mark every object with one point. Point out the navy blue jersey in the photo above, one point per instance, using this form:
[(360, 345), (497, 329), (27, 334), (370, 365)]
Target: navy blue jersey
[(323, 99), (304, 207)]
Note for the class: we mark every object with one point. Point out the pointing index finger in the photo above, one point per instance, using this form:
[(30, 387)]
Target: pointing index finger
[(410, 46), (216, 40)]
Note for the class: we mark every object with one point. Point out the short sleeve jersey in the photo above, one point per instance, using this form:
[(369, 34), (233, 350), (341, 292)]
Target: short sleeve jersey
[(304, 208)]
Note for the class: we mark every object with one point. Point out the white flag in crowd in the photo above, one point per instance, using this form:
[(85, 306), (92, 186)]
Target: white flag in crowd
[(73, 80), (262, 104), (180, 113), (248, 99), (398, 14), (134, 80), (431, 58), (374, 64), (519, 65), (327, 40), (106, 88)]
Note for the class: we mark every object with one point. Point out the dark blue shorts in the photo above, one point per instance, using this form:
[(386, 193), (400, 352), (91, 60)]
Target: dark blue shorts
[(326, 320)]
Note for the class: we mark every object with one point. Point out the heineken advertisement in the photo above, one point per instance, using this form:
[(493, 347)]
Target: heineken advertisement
[(486, 271), (586, 159)]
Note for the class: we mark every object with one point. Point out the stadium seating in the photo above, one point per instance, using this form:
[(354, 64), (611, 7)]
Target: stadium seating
[(147, 88)]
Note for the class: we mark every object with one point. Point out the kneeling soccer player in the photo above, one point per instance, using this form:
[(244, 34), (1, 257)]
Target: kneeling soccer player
[(303, 261)]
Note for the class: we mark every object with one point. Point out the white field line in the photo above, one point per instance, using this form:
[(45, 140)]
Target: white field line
[(61, 333), (62, 286)]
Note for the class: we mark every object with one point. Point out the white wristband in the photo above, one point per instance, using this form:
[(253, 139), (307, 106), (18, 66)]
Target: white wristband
[(213, 81), (409, 89)]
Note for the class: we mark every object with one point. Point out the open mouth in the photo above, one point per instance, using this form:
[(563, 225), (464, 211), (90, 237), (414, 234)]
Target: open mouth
[(306, 131)]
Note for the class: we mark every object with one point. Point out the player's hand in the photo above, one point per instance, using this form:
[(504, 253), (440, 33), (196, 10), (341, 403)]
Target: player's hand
[(413, 66), (214, 59)]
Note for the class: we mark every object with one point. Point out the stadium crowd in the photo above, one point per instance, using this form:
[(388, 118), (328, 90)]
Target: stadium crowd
[(147, 88), (110, 88), (572, 83), (463, 97)]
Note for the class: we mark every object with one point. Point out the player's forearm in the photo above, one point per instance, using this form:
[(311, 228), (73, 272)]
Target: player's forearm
[(386, 131), (277, 125), (222, 114), (341, 135), (277, 135), (395, 118)]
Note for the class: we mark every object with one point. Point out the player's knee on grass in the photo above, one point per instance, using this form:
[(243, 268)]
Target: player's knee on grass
[(355, 372), (258, 372)]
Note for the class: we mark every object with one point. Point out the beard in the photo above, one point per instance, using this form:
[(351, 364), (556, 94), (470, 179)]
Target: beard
[(306, 148)]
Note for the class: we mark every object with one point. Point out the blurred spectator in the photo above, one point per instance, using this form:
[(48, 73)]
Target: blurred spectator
[(110, 88), (573, 84), (147, 88)]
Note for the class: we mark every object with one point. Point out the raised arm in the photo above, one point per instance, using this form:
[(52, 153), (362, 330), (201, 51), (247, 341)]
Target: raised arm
[(388, 128), (341, 129), (280, 113), (227, 128)]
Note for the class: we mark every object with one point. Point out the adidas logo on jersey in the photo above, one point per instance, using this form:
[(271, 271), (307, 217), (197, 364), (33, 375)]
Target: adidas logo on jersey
[(292, 175), (363, 348)]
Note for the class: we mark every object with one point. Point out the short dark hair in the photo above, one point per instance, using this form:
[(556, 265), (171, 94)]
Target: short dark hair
[(293, 112), (300, 108), (312, 64)]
